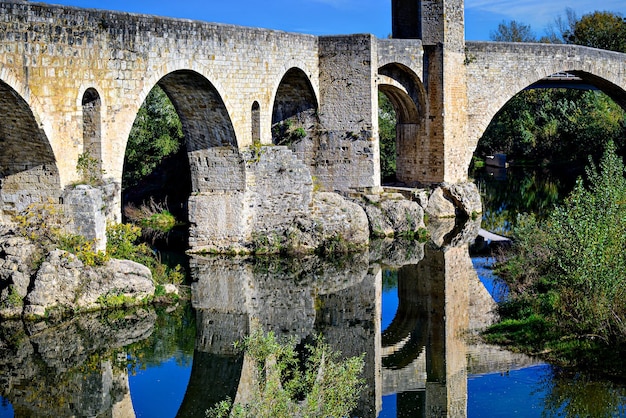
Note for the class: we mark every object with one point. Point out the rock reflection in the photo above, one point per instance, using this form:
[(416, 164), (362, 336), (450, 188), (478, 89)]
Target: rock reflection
[(60, 370)]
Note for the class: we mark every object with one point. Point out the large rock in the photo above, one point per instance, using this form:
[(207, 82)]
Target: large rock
[(18, 262), (63, 283), (449, 200), (393, 215), (334, 222), (466, 197), (440, 205)]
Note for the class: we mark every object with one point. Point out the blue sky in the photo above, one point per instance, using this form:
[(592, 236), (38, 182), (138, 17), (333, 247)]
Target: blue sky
[(325, 17)]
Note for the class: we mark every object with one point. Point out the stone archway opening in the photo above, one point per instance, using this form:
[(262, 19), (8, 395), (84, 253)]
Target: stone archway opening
[(92, 130), (539, 142), (28, 169), (558, 120), (255, 117), (294, 115), (198, 171), (404, 155)]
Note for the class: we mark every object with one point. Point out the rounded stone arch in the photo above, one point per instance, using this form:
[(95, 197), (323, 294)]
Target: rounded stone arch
[(202, 111), (406, 93), (210, 172), (598, 72), (28, 167), (294, 109)]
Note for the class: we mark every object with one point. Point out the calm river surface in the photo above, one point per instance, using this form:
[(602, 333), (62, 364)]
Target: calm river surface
[(409, 311), (411, 308)]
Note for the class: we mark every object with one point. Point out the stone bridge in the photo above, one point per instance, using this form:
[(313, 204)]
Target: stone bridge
[(269, 117)]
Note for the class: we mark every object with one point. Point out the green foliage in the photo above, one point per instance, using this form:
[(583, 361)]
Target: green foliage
[(89, 169), (122, 243), (151, 216), (316, 382), (43, 224), (116, 300), (604, 30), (513, 31), (570, 269), (387, 135), (554, 126), (287, 131), (13, 298), (156, 134), (83, 248)]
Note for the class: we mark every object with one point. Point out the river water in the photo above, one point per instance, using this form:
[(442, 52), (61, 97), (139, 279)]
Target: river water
[(412, 308)]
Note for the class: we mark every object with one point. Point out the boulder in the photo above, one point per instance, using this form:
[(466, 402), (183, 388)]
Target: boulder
[(333, 219), (63, 283), (440, 205), (393, 215)]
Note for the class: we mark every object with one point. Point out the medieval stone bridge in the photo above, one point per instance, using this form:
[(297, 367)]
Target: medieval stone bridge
[(265, 113)]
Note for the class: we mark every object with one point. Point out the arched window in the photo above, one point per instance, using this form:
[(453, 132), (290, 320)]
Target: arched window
[(92, 135), (256, 122)]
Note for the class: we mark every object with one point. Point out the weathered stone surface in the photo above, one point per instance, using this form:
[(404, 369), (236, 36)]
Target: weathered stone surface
[(392, 215), (333, 221), (466, 197), (72, 361), (396, 253), (63, 282), (449, 200), (439, 205), (83, 207)]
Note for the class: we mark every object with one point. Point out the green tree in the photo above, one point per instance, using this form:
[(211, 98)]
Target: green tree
[(156, 133), (513, 31), (604, 30), (387, 135), (286, 385), (555, 125)]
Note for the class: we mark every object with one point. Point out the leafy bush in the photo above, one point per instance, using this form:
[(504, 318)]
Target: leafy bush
[(89, 169), (571, 268), (122, 243), (322, 385), (44, 224)]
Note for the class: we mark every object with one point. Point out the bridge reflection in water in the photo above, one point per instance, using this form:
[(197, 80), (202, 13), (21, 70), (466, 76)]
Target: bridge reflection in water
[(80, 368)]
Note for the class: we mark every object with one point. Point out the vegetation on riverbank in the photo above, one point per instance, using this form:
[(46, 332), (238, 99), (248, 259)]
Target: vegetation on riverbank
[(43, 225), (567, 276)]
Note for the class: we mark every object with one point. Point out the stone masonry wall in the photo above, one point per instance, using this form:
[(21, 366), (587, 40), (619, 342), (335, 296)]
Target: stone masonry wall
[(347, 152), (51, 55)]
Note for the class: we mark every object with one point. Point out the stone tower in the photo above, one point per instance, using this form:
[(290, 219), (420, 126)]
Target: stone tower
[(440, 26)]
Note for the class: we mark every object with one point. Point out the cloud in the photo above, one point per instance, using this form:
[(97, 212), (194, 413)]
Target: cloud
[(540, 12)]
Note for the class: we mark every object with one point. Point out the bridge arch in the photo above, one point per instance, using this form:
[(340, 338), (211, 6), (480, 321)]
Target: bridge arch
[(508, 74), (28, 166), (294, 108), (407, 95)]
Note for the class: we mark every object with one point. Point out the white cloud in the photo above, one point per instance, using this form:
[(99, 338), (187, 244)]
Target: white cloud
[(538, 13)]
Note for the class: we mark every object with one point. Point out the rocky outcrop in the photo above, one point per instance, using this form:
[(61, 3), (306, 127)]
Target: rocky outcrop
[(64, 282), (450, 200), (34, 284)]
